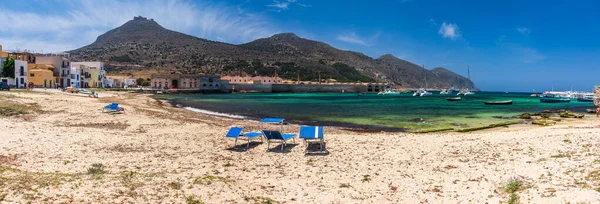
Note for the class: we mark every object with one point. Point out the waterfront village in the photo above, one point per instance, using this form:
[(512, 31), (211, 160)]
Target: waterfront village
[(56, 70)]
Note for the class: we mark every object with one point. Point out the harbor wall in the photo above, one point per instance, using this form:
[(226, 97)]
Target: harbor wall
[(304, 88), (267, 88), (597, 96), (297, 88)]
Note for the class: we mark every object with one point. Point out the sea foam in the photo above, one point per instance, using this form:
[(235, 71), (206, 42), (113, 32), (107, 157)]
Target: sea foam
[(214, 113)]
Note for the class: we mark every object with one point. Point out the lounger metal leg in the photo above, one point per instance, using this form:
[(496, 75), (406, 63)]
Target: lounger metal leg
[(268, 145), (306, 149), (235, 143), (248, 144), (282, 145), (321, 144)]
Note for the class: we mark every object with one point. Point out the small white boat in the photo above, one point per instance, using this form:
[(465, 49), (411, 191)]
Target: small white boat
[(464, 92), (446, 91), (421, 92), (388, 92)]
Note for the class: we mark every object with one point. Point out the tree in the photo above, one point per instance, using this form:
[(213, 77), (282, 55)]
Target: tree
[(146, 83), (8, 68), (139, 81)]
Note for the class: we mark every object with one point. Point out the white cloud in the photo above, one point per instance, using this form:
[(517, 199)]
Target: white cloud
[(352, 38), (282, 5), (78, 23), (524, 31), (530, 55), (431, 21), (449, 30)]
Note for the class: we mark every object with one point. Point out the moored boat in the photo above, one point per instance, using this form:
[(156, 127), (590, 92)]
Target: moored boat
[(549, 98), (446, 91), (507, 102), (585, 99), (464, 92), (454, 99), (388, 92), (421, 92)]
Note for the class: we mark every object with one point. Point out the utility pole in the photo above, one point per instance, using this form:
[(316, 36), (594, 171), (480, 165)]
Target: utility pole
[(298, 81), (319, 77)]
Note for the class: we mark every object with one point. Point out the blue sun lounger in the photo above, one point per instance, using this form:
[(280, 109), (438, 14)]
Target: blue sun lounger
[(274, 135), (111, 107), (312, 134), (236, 132)]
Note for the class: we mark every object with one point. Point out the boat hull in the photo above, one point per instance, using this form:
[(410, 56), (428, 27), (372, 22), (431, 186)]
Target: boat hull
[(498, 102), (555, 100), (585, 100), (454, 99)]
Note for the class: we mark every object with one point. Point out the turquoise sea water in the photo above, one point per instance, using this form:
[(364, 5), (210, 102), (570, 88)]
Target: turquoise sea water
[(399, 112)]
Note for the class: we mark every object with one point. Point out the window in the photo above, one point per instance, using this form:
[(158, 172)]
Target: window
[(22, 71), (32, 75), (22, 81)]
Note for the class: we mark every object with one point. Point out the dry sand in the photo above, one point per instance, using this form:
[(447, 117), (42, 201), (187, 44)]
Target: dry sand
[(156, 153)]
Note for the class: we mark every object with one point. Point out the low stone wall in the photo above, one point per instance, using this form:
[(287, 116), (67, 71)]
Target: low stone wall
[(251, 87), (297, 88)]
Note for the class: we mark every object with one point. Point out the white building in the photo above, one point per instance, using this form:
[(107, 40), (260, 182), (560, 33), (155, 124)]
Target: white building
[(109, 83), (95, 70), (75, 77), (20, 80), (129, 83), (21, 74)]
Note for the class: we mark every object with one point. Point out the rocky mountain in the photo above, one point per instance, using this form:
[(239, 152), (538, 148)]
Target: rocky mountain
[(143, 46)]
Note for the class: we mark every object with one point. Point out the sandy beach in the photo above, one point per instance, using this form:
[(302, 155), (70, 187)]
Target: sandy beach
[(67, 150)]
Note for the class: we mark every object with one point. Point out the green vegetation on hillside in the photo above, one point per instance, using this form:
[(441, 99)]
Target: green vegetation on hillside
[(350, 74), (122, 58)]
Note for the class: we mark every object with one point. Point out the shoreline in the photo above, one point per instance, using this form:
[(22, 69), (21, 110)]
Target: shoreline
[(361, 127), (337, 125)]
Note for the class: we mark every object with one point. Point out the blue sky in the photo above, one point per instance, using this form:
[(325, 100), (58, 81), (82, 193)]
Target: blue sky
[(509, 45)]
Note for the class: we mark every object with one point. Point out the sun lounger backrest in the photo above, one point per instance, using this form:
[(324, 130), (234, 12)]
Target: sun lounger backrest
[(112, 106), (276, 135), (234, 132), (272, 135), (267, 134), (311, 132)]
